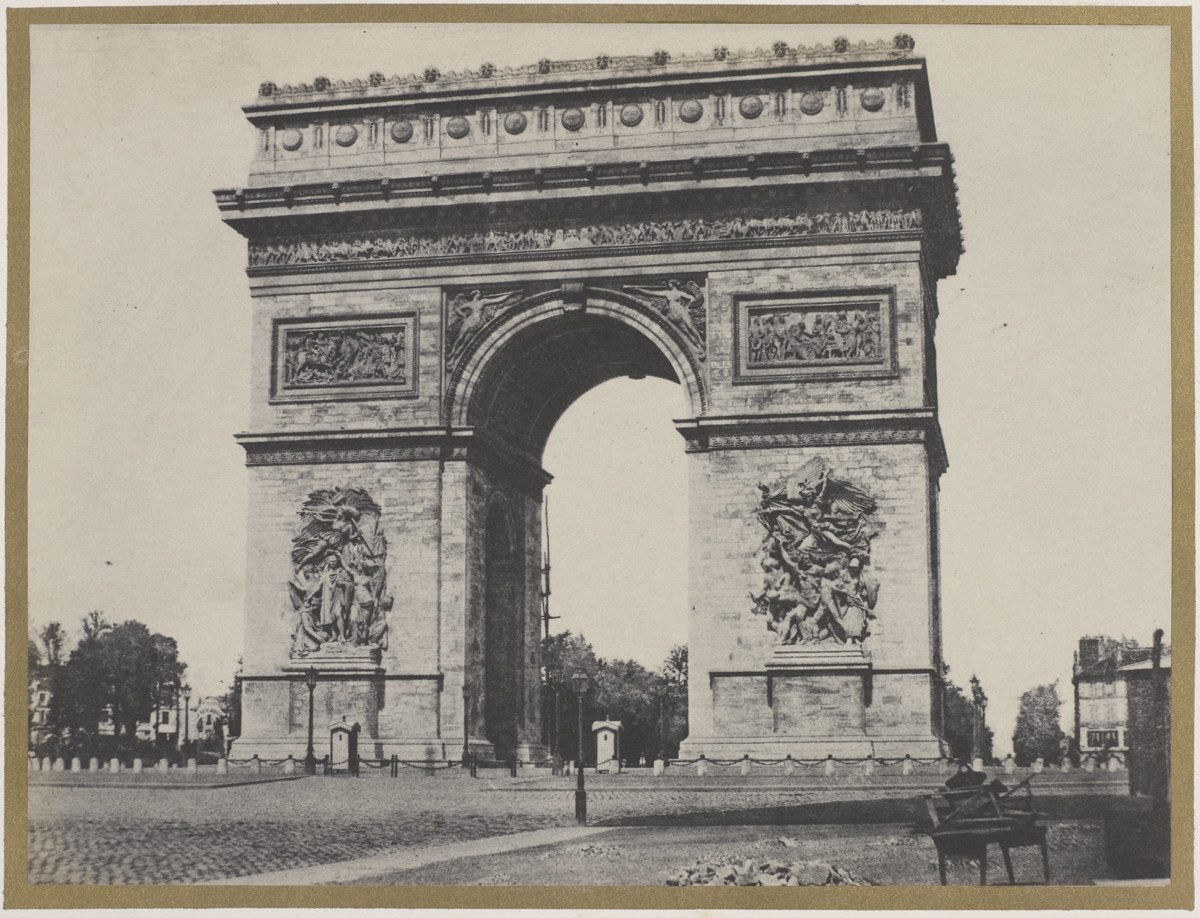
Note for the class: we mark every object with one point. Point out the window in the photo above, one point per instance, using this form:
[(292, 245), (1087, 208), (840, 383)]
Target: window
[(1098, 738), (166, 717), (208, 719)]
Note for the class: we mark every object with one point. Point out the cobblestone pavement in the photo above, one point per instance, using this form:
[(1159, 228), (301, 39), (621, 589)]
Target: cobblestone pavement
[(104, 835)]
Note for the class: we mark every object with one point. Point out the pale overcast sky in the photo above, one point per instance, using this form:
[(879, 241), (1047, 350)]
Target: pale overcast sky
[(1053, 341)]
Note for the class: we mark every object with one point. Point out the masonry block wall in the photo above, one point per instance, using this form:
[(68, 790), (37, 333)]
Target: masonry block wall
[(777, 179)]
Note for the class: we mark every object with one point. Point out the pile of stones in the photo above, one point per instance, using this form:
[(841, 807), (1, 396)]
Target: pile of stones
[(764, 873)]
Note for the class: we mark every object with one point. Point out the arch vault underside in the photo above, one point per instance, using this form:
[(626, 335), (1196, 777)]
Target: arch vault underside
[(438, 273)]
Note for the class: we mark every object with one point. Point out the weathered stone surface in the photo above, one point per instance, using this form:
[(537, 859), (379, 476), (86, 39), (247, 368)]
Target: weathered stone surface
[(421, 355)]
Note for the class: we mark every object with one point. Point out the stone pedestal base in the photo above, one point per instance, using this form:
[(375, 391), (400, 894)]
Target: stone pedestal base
[(814, 701)]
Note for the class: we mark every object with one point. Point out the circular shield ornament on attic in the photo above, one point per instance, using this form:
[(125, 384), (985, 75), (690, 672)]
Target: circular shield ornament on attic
[(291, 139), (811, 103), (750, 106), (402, 131), (872, 99), (631, 115), (572, 119), (515, 122), (690, 111), (458, 128), (346, 135)]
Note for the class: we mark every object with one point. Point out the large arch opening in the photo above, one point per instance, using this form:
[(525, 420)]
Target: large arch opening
[(512, 388)]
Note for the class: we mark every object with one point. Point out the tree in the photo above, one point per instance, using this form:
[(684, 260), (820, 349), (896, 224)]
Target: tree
[(673, 681), (958, 723), (125, 668), (1037, 733), (52, 637), (652, 707)]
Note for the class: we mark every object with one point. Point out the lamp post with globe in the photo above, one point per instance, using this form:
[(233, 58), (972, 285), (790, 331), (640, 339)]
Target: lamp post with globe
[(310, 757)]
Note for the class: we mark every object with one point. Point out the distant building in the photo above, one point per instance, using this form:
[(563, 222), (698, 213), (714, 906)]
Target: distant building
[(1101, 702), (206, 717), (39, 711)]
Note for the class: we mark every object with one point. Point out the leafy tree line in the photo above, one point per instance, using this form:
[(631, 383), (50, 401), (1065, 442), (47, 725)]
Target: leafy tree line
[(116, 674), (652, 706)]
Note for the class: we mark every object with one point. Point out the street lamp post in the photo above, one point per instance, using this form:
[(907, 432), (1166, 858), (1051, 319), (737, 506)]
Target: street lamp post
[(579, 682), (310, 757), (187, 698), (466, 726), (979, 706)]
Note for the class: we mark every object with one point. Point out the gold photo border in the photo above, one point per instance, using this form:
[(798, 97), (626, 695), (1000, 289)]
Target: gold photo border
[(1179, 894)]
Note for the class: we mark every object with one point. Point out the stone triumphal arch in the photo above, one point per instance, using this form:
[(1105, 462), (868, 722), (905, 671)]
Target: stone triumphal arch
[(441, 264)]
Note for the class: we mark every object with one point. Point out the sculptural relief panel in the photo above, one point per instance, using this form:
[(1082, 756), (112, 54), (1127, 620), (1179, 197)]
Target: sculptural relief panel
[(805, 336), (817, 587), (365, 358)]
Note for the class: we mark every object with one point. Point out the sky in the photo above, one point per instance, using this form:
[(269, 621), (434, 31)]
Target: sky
[(1053, 341)]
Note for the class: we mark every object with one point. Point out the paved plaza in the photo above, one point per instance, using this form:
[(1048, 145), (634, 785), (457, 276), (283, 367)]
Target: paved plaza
[(85, 829)]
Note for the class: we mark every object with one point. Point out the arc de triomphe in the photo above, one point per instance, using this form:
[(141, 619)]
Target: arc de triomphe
[(440, 265)]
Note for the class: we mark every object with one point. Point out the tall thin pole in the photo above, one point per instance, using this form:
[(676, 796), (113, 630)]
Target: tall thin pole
[(580, 793), (546, 616)]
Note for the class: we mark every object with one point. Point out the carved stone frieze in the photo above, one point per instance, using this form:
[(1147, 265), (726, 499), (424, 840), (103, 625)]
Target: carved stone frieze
[(822, 336), (396, 245), (338, 589), (815, 559), (320, 456), (363, 358)]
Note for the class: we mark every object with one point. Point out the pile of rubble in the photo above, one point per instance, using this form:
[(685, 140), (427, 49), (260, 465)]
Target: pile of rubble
[(764, 873)]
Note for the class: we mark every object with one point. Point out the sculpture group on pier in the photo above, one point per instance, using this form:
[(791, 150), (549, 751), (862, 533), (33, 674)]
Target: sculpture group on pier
[(814, 559), (339, 582)]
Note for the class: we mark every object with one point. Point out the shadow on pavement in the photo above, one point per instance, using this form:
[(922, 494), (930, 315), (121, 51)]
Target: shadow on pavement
[(910, 810)]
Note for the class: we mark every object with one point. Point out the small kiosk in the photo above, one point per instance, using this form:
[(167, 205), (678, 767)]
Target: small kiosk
[(608, 746), (343, 746)]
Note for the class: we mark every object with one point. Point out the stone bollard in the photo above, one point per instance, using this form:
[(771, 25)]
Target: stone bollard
[(34, 763), (59, 764), (569, 767), (1114, 764), (1038, 765), (702, 767), (943, 766), (745, 765), (908, 767), (977, 764), (137, 766), (192, 767), (255, 765), (1066, 766), (114, 765), (1089, 765), (660, 768), (869, 766), (47, 764), (789, 766), (222, 766), (76, 765), (830, 766), (1010, 765), (93, 765), (164, 766), (289, 766)]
